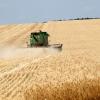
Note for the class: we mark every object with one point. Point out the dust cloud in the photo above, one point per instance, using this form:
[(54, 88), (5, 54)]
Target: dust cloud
[(10, 53)]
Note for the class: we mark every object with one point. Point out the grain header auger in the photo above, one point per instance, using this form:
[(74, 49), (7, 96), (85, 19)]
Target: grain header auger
[(40, 39)]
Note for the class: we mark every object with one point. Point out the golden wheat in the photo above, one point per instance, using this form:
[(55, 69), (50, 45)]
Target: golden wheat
[(46, 74)]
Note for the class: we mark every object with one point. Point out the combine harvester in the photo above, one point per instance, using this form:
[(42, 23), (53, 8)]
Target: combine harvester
[(40, 39)]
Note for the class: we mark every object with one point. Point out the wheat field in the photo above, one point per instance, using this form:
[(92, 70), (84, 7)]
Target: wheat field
[(47, 74)]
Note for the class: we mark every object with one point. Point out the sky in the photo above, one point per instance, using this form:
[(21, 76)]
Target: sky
[(28, 11)]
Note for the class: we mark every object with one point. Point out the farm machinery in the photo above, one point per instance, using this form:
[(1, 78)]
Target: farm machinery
[(40, 39)]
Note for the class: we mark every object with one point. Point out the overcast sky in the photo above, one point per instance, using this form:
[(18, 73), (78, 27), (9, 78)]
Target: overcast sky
[(26, 11)]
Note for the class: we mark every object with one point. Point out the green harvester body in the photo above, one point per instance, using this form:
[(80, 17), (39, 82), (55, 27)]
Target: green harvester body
[(39, 39)]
